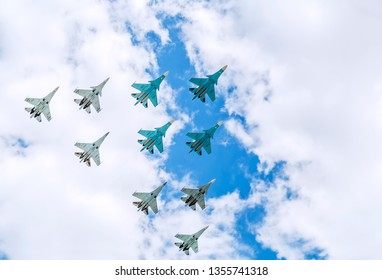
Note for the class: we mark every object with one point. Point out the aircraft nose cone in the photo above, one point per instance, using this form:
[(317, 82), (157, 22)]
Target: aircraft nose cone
[(165, 73), (220, 123), (224, 67), (213, 181), (172, 121)]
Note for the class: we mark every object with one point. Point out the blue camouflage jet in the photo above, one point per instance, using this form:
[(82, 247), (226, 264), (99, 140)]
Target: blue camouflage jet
[(154, 137), (148, 91), (202, 139), (206, 85)]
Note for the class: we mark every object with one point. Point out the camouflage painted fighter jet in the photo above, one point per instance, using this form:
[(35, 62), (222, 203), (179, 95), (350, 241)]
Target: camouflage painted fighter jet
[(41, 105), (90, 151), (148, 91), (202, 139), (206, 85), (189, 241), (154, 137), (148, 200), (196, 195), (90, 96)]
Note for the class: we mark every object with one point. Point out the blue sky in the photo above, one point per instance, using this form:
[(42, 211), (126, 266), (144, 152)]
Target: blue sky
[(296, 161)]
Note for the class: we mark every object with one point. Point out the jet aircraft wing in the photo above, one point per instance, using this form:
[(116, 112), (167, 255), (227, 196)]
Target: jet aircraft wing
[(183, 237), (83, 92), (140, 87), (195, 135), (154, 99), (202, 202), (141, 196), (83, 146), (211, 94), (96, 157), (95, 103), (188, 191), (146, 133), (159, 144), (33, 101), (198, 81), (46, 113), (207, 146), (194, 246), (153, 205)]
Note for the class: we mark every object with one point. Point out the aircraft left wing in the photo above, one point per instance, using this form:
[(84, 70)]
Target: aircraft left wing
[(207, 146), (95, 103), (182, 237), (141, 196), (146, 133), (46, 113), (194, 246), (153, 205), (33, 101), (195, 135), (83, 146), (82, 92), (198, 81), (96, 157), (202, 202), (140, 87), (159, 144)]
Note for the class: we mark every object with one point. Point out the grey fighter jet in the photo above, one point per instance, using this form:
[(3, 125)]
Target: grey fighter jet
[(148, 200), (189, 241), (90, 96), (90, 151), (196, 195), (41, 105)]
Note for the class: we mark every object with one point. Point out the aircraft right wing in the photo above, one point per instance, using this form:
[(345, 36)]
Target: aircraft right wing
[(141, 196), (83, 92), (195, 135), (153, 98), (198, 81), (95, 103), (207, 146), (153, 205), (96, 157), (140, 87), (159, 144), (188, 191), (182, 237), (83, 146), (33, 101), (146, 133)]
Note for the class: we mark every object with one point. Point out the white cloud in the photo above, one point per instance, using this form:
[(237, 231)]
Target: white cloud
[(306, 79)]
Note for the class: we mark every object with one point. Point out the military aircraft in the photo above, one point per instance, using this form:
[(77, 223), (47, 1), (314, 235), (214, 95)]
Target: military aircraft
[(196, 195), (41, 105), (148, 91), (189, 241), (90, 96), (202, 139), (154, 137), (90, 151), (148, 200), (206, 85)]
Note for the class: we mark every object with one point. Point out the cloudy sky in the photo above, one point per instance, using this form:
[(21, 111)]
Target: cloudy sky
[(297, 162)]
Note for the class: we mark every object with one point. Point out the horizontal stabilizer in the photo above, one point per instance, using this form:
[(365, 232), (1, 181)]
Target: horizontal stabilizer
[(135, 95), (78, 101), (146, 211), (88, 162), (187, 252), (203, 99), (87, 109), (28, 110), (189, 143), (199, 152), (178, 244), (193, 207), (192, 89), (141, 141), (79, 154), (136, 203), (38, 117), (183, 198)]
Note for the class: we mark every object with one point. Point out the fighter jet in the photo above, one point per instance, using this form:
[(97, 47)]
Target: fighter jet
[(148, 91), (90, 151), (154, 137), (196, 195), (189, 241), (90, 96), (206, 85), (41, 105), (148, 200), (202, 139)]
